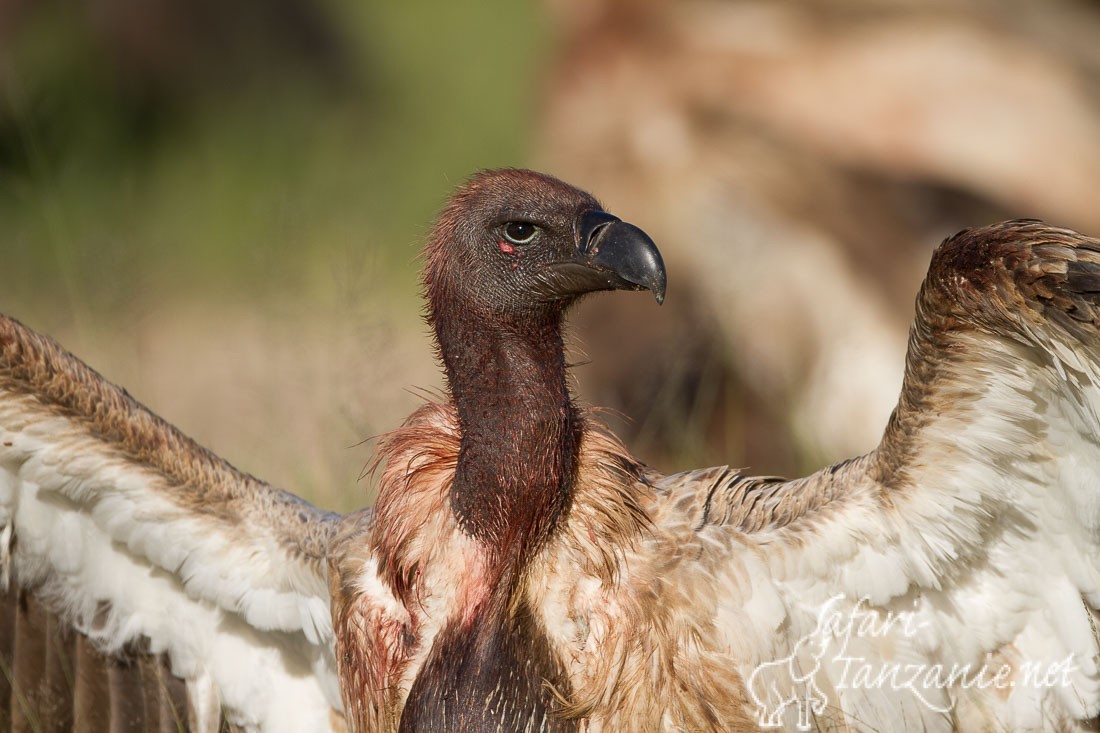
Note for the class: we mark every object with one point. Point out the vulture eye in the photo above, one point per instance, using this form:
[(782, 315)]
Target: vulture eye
[(519, 232)]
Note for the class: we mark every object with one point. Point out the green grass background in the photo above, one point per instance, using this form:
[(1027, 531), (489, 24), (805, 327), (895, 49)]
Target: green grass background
[(278, 200)]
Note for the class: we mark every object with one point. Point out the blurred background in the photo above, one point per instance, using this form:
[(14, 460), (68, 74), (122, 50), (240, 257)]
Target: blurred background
[(219, 205)]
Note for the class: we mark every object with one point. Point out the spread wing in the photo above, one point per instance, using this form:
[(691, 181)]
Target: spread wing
[(971, 535), (129, 550)]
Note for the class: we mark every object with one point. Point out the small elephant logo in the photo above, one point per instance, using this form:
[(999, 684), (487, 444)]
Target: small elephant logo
[(791, 681)]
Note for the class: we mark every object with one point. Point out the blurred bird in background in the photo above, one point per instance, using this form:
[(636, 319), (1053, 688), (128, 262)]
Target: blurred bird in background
[(798, 160)]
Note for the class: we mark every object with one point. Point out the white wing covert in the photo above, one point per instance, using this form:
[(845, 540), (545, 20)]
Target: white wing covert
[(949, 579), (117, 524)]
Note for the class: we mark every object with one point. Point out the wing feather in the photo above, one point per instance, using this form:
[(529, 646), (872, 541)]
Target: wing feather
[(142, 539), (976, 520)]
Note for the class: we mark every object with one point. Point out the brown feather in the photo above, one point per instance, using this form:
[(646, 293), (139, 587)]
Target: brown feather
[(1015, 280), (35, 365)]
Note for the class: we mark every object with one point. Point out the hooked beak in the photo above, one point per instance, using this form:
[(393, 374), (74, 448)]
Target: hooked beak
[(612, 255)]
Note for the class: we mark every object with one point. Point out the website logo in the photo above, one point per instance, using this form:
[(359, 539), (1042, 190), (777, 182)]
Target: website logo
[(837, 649)]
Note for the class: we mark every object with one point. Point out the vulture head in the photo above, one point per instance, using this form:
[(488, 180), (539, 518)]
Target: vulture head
[(515, 245)]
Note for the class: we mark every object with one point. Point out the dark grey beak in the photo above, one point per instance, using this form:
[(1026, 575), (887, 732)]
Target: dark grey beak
[(614, 255)]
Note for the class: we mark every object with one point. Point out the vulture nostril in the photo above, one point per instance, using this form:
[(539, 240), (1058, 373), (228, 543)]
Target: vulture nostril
[(592, 225), (591, 245)]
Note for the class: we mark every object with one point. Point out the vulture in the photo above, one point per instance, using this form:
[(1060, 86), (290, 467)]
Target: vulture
[(521, 571)]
